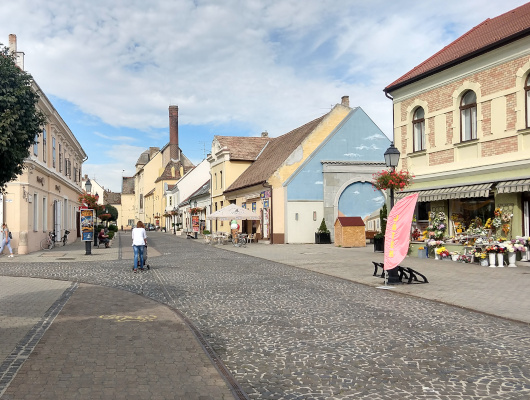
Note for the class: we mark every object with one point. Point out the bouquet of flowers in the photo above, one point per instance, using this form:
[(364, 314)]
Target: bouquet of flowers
[(501, 249), (464, 259), (416, 234), (435, 243), (437, 224), (492, 249), (442, 251)]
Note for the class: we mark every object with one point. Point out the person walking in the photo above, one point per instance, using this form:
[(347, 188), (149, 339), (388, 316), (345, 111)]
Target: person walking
[(139, 241), (6, 240)]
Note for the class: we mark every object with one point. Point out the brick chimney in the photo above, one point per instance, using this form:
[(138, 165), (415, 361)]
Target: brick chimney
[(174, 133), (13, 49), (264, 134), (345, 101)]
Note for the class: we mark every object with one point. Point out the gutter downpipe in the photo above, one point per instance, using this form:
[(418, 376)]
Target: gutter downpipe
[(271, 215)]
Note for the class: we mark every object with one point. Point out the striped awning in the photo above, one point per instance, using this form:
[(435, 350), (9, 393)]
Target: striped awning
[(522, 185), (455, 192)]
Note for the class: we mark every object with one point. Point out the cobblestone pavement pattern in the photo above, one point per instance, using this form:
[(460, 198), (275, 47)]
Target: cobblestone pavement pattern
[(290, 333)]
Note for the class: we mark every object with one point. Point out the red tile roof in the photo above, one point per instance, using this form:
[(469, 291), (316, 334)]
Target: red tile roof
[(243, 148), (490, 34), (273, 156), (350, 221)]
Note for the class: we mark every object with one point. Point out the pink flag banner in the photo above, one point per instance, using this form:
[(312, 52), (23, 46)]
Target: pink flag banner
[(397, 234)]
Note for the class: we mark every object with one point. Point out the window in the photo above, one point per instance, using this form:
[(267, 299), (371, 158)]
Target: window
[(468, 116), (418, 126), (60, 157), (141, 201), (221, 178), (36, 145), (53, 152), (44, 214), (44, 145), (170, 201), (215, 181), (527, 97), (35, 212)]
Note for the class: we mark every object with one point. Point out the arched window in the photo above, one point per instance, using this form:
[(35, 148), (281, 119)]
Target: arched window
[(468, 116), (527, 97), (418, 127)]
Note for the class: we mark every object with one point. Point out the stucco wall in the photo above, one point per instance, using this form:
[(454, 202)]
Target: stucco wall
[(302, 224)]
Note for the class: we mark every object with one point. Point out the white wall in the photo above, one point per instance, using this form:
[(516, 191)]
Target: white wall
[(303, 230)]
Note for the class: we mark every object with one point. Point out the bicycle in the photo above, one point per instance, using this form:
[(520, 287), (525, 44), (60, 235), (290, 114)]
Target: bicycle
[(48, 243), (241, 240), (65, 237)]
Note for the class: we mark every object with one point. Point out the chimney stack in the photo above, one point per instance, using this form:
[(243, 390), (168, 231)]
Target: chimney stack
[(13, 49), (345, 101), (264, 134), (174, 132)]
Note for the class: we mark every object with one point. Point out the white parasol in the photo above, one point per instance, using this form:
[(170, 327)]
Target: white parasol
[(233, 211)]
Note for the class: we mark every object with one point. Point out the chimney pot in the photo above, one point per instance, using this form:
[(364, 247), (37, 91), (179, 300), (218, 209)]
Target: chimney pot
[(264, 134), (345, 101)]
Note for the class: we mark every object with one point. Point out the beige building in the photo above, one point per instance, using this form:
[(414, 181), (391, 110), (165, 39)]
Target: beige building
[(44, 198), (462, 124), (155, 169), (229, 158)]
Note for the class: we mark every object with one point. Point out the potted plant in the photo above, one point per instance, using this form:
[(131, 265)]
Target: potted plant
[(379, 241), (322, 236)]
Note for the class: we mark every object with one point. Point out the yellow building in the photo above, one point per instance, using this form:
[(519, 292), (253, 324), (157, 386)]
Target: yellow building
[(44, 198)]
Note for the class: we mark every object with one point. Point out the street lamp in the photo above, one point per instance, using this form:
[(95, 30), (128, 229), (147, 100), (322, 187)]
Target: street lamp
[(88, 189), (95, 235), (174, 221), (391, 160)]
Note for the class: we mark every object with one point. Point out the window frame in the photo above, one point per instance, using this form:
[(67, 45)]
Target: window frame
[(527, 102), (463, 109), (36, 146), (54, 153), (44, 145), (421, 123)]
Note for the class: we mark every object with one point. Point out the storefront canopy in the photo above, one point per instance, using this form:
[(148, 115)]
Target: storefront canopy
[(233, 211), (455, 192), (522, 185)]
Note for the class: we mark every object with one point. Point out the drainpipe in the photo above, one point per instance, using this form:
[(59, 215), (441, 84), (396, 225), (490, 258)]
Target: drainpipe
[(270, 206)]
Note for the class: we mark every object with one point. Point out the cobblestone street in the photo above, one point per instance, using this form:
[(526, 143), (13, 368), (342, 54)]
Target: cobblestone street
[(290, 333)]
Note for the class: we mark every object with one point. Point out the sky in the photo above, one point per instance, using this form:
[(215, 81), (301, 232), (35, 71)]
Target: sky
[(234, 67)]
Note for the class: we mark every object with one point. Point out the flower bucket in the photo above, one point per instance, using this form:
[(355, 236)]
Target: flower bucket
[(492, 259), (511, 259), (454, 257), (436, 255), (484, 262), (500, 260)]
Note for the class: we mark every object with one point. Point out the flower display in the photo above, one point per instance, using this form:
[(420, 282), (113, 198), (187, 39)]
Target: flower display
[(416, 234), (437, 225), (435, 243), (464, 258), (392, 180)]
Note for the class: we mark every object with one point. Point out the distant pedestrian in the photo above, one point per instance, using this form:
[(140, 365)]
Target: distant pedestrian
[(139, 241), (6, 240), (104, 238)]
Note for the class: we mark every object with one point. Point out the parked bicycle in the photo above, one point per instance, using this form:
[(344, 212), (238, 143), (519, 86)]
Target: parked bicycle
[(48, 243), (241, 240), (65, 237)]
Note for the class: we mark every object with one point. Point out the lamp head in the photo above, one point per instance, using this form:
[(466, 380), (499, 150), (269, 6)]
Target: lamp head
[(392, 156)]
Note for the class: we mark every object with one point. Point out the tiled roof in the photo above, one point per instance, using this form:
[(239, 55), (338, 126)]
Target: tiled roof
[(484, 37), (350, 221), (273, 156), (166, 174), (242, 148), (150, 192), (113, 198)]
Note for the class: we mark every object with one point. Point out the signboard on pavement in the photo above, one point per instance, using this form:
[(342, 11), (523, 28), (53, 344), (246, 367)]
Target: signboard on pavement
[(87, 225)]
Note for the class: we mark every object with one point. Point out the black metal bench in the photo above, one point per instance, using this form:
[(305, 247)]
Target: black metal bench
[(407, 273)]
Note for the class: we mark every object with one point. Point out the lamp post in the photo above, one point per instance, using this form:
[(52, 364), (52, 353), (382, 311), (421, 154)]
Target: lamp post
[(174, 215), (391, 160), (95, 235), (88, 189)]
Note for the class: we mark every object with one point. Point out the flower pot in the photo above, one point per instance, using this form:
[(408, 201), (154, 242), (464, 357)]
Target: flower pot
[(511, 259), (379, 244), (454, 257), (322, 238), (492, 259), (484, 262), (436, 255), (500, 260)]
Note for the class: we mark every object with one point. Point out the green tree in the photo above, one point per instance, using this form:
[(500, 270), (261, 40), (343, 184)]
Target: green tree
[(382, 218), (113, 211), (20, 121)]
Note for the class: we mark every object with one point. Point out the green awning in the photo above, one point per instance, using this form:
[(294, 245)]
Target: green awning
[(446, 193)]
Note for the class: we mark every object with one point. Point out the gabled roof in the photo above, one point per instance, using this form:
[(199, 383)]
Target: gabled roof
[(113, 198), (166, 174), (242, 148), (489, 35), (350, 221), (273, 156)]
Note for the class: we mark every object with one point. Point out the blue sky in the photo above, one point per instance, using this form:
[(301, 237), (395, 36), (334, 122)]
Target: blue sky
[(234, 67)]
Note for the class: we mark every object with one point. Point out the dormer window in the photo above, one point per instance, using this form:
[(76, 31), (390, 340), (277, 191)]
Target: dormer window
[(418, 127), (468, 116)]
